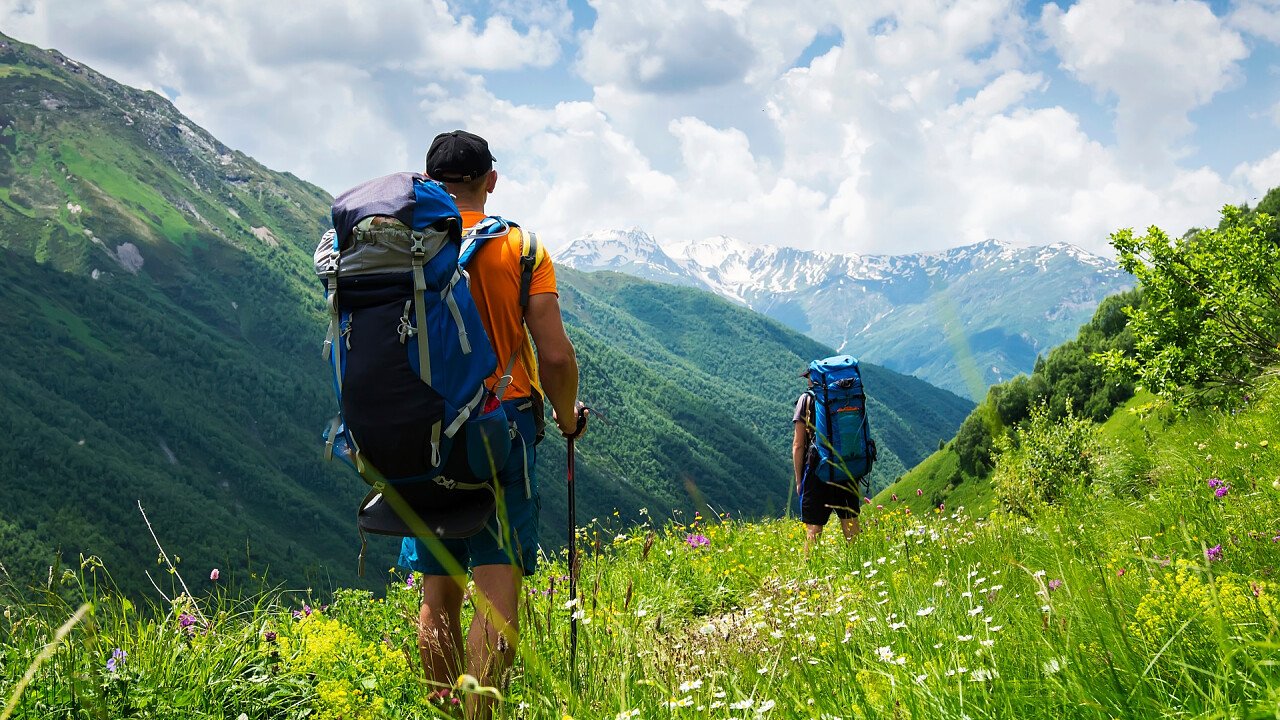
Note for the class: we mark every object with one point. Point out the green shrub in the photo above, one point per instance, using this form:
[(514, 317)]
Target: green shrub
[(1044, 460)]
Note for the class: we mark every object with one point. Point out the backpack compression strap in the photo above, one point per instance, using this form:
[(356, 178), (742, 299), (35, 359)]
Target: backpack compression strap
[(424, 248), (332, 341)]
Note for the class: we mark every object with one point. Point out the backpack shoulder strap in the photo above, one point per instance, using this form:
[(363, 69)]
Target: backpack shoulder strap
[(529, 261), (811, 418), (492, 227), (495, 226), (475, 236)]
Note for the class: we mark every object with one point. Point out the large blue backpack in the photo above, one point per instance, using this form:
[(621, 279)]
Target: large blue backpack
[(409, 357), (841, 434)]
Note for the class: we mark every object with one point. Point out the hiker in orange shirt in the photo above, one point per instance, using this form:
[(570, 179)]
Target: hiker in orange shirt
[(499, 557)]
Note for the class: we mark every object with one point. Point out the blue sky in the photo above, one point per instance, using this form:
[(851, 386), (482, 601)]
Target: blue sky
[(871, 127)]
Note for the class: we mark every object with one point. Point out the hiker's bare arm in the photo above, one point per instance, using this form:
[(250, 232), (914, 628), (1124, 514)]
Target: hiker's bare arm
[(798, 447), (557, 363)]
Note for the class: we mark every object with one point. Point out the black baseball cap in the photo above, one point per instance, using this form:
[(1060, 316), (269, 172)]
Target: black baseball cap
[(459, 156)]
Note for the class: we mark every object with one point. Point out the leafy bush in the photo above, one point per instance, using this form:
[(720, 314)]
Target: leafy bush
[(1210, 320), (1044, 460), (973, 445)]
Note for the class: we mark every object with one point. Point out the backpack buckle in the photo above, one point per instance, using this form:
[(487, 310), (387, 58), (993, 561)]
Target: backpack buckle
[(446, 483), (406, 328), (418, 246), (331, 265)]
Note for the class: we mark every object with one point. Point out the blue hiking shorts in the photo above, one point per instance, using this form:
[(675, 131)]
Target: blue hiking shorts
[(511, 535)]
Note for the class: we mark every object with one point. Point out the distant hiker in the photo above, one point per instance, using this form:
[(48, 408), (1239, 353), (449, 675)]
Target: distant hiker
[(513, 283), (831, 449)]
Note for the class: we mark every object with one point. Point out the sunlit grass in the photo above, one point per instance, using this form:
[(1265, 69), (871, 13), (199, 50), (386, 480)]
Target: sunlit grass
[(1165, 603)]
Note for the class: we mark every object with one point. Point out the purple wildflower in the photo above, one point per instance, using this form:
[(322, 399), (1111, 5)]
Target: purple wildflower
[(1222, 491), (1214, 553), (186, 620), (117, 657), (408, 582), (1214, 482), (269, 636), (1054, 584), (304, 612), (697, 541)]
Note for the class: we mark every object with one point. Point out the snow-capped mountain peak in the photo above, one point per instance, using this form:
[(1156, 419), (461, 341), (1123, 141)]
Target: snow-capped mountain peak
[(611, 247), (1006, 302), (631, 251)]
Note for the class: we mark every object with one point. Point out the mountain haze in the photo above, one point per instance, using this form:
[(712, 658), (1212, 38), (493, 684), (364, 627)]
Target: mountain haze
[(962, 319), (163, 346)]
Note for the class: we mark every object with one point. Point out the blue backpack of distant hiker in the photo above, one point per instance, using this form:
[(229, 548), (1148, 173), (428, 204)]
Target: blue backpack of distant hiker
[(841, 434), (409, 357)]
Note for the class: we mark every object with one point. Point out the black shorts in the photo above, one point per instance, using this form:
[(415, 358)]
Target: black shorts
[(819, 498)]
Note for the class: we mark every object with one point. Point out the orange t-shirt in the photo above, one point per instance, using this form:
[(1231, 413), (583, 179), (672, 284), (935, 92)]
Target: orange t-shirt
[(494, 271)]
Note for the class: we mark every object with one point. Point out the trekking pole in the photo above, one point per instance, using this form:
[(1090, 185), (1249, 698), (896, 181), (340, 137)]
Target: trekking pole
[(573, 572), (580, 411)]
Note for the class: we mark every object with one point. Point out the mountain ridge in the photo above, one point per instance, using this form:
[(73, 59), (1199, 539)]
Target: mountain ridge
[(889, 309)]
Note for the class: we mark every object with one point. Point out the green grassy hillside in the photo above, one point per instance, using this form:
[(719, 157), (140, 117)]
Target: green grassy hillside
[(959, 472), (1154, 596), (161, 344)]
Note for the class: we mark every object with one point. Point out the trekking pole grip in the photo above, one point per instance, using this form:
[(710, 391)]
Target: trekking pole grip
[(580, 413)]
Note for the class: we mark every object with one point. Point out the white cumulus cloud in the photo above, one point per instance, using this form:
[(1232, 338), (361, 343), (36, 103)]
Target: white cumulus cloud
[(913, 125), (1159, 59), (1257, 17)]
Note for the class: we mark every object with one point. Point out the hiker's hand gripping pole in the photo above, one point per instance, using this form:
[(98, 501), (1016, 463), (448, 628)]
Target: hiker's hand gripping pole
[(580, 413)]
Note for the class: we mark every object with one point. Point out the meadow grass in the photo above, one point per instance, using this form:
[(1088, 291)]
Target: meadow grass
[(1152, 596)]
